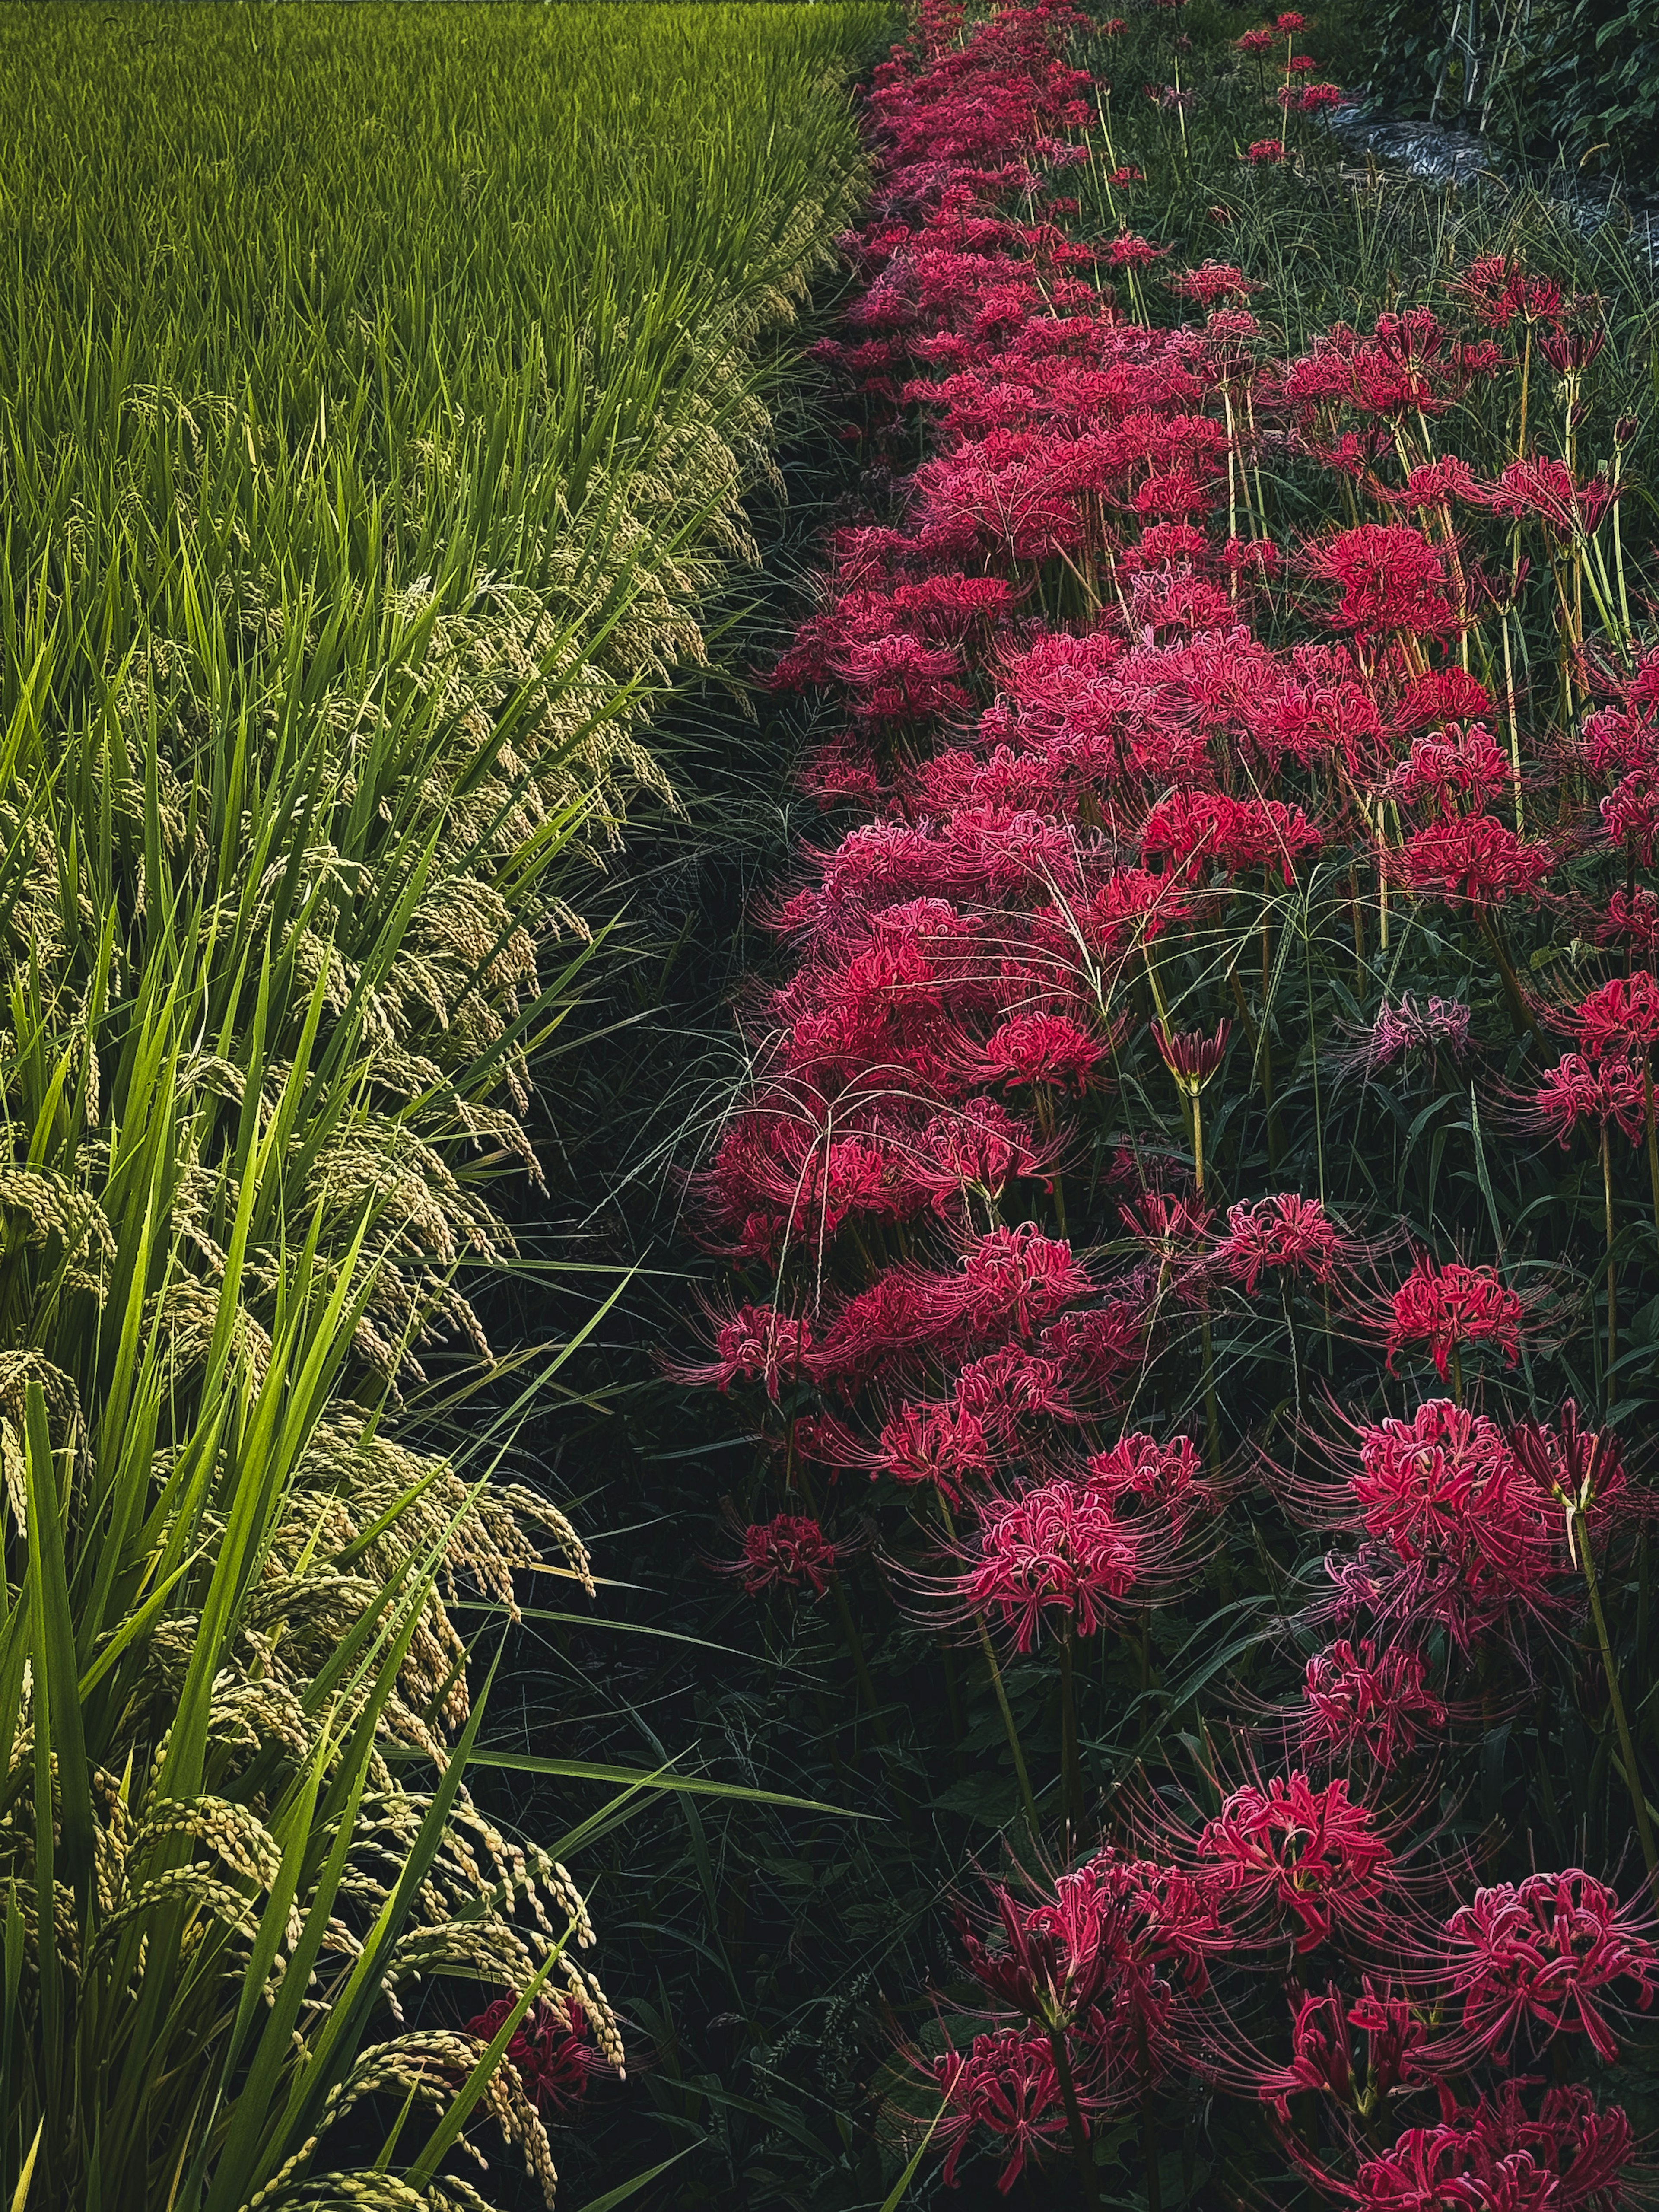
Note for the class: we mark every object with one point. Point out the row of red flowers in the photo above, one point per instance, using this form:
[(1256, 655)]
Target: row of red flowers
[(1111, 742)]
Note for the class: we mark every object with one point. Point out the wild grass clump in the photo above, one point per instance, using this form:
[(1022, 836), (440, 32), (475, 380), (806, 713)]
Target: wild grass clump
[(378, 387)]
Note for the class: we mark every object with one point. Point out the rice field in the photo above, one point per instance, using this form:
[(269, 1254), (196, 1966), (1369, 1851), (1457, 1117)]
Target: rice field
[(379, 390)]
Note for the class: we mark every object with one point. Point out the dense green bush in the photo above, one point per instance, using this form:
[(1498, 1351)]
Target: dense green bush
[(1568, 82)]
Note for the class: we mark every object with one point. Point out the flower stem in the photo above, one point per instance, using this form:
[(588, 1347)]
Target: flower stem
[(1626, 1747), (1071, 1763), (1006, 1710), (1080, 2146), (1613, 1278)]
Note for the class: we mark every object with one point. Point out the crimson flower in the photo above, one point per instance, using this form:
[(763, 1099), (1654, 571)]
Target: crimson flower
[(1266, 152), (1059, 1550), (1006, 2083), (1287, 1233), (755, 1344), (1494, 2157), (1108, 1955), (1462, 1534), (1312, 1853), (1600, 1091), (548, 2050), (1129, 250), (1548, 1953), (1324, 2058), (1445, 1307), (1622, 1015), (1040, 1048), (1356, 1701), (786, 1553), (1391, 579)]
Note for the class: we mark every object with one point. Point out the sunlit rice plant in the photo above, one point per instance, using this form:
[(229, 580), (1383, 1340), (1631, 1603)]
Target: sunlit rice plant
[(377, 390)]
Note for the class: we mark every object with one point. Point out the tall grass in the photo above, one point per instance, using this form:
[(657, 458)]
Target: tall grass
[(377, 389)]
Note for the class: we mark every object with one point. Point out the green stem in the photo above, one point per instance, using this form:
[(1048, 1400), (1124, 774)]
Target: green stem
[(1071, 1763), (1080, 2146), (1006, 1710), (1613, 1278), (1626, 1747)]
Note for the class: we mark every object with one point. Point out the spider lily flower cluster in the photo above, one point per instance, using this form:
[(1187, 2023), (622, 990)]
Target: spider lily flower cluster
[(1115, 752)]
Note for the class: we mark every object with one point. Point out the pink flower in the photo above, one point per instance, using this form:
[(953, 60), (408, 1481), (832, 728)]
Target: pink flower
[(1492, 2157), (1144, 1475), (1058, 1550), (1287, 1233), (1312, 1853), (756, 1344), (1547, 1953), (786, 1553), (548, 2050), (1006, 2083), (1323, 2056), (1622, 1014), (1407, 1027), (1444, 1308), (1127, 251), (1602, 1091), (1358, 1702)]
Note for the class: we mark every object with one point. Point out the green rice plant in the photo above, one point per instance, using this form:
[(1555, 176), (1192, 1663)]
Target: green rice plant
[(378, 390)]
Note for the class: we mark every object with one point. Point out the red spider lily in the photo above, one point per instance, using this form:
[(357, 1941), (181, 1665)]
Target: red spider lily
[(1547, 1954), (1475, 858), (1397, 2054), (1006, 2083), (1287, 1234), (1391, 579), (1107, 1955), (1496, 291), (755, 1344), (945, 1445), (1621, 1017), (1450, 768), (1213, 282), (1031, 1050), (1311, 1855), (548, 2050), (1461, 1537), (1290, 22), (1319, 99), (1193, 828), (1492, 2157), (1446, 1308), (787, 1553), (1266, 153), (1060, 1553), (1632, 916), (1549, 491), (1129, 250), (1601, 1092), (1399, 1031), (1256, 42), (1144, 1476), (1356, 1702)]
